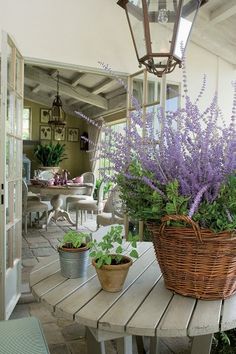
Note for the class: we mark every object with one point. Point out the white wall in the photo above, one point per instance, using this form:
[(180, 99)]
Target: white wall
[(79, 32), (82, 32), (219, 73)]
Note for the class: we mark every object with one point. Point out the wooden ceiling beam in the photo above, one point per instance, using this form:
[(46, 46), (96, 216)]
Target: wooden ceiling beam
[(117, 92), (74, 82), (103, 86), (36, 88), (44, 100), (77, 93), (226, 10), (53, 73)]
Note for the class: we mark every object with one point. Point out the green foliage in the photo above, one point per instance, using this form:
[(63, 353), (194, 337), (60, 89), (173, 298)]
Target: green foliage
[(144, 203), (140, 200), (224, 342), (176, 204), (220, 215), (49, 154), (73, 239), (107, 187), (112, 243)]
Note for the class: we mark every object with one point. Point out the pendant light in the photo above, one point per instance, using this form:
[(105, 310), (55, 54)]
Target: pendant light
[(160, 30), (57, 115)]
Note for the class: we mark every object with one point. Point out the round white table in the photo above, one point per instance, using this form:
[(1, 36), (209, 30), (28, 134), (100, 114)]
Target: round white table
[(144, 307), (55, 192)]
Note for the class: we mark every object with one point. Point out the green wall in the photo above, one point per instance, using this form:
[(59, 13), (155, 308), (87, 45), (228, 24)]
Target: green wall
[(77, 162)]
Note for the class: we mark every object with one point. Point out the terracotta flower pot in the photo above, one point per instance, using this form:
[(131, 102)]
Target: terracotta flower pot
[(112, 277)]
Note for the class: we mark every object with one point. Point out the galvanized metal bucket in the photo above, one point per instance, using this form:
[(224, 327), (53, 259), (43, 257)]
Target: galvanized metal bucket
[(74, 263)]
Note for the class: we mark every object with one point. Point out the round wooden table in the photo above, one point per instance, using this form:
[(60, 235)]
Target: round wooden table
[(56, 192), (144, 307)]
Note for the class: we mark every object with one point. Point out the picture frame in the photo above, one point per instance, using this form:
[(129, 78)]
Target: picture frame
[(73, 134), (44, 115), (45, 132), (60, 134)]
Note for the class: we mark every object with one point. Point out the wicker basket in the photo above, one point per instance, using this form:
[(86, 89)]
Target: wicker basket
[(195, 262)]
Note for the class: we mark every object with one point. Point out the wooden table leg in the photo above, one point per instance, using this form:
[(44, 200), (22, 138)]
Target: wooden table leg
[(202, 344), (155, 345), (93, 346), (124, 345), (140, 345), (56, 212)]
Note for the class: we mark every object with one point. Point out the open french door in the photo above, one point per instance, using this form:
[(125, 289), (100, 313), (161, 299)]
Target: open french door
[(12, 79)]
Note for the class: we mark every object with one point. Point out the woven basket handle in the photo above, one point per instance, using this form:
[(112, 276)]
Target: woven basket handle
[(184, 218)]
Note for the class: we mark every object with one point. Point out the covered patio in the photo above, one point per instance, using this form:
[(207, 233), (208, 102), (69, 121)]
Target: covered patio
[(72, 79)]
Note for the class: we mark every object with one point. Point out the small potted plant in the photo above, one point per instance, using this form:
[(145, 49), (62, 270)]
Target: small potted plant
[(74, 254), (111, 264)]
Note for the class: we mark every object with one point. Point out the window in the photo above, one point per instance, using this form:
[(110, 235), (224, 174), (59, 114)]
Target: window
[(26, 132), (146, 88), (172, 97), (117, 127)]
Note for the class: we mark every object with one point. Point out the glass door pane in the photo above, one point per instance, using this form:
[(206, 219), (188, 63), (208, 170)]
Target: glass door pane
[(10, 175)]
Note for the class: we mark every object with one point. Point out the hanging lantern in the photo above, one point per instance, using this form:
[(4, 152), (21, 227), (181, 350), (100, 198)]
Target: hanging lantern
[(160, 30), (57, 115)]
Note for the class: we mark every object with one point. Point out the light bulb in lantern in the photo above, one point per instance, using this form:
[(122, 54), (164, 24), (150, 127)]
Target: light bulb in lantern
[(162, 16)]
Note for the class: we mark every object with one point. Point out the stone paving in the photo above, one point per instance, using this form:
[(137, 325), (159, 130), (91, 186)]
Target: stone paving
[(63, 336)]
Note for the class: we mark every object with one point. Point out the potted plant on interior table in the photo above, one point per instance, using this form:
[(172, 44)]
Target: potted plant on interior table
[(109, 260), (50, 155), (74, 254), (181, 180)]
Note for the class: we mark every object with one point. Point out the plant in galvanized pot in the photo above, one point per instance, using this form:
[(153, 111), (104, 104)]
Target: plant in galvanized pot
[(111, 264), (74, 254), (181, 180)]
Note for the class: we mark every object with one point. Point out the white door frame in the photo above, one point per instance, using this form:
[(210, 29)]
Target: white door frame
[(12, 78)]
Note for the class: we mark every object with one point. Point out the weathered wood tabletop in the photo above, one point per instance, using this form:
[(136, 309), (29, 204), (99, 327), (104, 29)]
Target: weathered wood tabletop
[(144, 307)]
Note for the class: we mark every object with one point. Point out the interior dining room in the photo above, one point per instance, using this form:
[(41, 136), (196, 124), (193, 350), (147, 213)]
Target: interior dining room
[(76, 77)]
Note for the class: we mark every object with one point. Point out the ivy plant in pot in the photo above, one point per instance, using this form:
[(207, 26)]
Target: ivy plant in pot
[(111, 264), (74, 254), (50, 155)]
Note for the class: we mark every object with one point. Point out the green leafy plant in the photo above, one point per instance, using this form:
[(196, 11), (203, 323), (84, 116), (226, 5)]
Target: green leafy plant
[(73, 239), (110, 249), (220, 214), (49, 154), (106, 188), (224, 342), (144, 203)]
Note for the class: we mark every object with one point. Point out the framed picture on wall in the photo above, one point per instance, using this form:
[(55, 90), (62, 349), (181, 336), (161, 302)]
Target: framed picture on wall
[(44, 115), (60, 134), (73, 134), (45, 132)]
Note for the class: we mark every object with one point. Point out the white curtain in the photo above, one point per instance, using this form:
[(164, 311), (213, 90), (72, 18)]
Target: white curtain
[(94, 135)]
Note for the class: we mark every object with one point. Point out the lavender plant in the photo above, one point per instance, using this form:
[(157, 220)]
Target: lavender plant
[(187, 167)]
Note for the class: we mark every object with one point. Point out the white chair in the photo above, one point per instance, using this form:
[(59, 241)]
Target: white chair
[(31, 206), (92, 205), (88, 177), (112, 212)]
